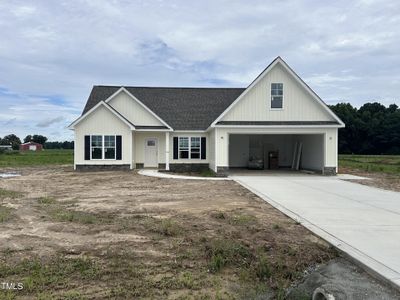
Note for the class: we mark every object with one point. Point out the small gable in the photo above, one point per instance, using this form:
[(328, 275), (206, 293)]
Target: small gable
[(297, 104), (133, 111)]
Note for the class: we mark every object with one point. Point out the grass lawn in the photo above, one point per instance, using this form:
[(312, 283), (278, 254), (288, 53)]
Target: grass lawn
[(389, 164), (40, 158)]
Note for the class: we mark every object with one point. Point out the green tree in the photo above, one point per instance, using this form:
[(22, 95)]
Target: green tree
[(12, 140)]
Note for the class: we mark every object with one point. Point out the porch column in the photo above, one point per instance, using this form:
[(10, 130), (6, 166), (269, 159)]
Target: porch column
[(167, 150)]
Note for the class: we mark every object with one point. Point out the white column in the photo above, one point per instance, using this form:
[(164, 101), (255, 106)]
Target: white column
[(167, 151), (131, 150)]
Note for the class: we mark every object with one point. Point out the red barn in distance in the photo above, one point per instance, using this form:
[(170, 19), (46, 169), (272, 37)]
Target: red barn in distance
[(30, 146)]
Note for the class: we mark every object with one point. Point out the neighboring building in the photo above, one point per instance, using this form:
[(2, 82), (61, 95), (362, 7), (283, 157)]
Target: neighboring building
[(30, 146), (6, 147), (217, 128)]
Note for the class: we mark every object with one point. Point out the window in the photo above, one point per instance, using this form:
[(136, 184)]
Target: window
[(103, 147), (109, 147), (183, 147), (276, 95), (151, 143), (189, 147), (195, 147), (97, 147)]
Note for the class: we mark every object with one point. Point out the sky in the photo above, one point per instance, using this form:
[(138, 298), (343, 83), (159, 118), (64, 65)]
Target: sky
[(53, 52)]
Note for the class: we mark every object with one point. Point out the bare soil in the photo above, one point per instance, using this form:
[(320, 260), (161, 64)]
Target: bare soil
[(377, 179), (116, 235)]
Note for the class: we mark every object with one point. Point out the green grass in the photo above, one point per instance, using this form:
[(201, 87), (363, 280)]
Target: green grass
[(33, 158), (389, 164), (5, 213)]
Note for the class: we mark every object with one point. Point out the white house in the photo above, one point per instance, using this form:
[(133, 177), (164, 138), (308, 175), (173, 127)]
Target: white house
[(217, 128)]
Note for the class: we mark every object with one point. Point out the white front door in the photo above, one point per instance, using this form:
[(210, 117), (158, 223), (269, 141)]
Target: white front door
[(151, 153)]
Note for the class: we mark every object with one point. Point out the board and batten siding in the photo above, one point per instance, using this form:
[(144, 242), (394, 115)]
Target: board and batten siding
[(133, 111), (102, 122), (139, 141), (298, 104)]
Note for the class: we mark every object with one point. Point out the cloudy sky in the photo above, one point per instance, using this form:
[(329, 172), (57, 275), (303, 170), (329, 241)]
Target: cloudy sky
[(52, 52)]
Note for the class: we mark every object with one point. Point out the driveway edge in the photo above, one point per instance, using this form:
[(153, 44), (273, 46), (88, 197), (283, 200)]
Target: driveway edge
[(371, 266)]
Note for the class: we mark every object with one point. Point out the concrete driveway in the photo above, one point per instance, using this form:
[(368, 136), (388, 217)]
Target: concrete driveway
[(362, 221)]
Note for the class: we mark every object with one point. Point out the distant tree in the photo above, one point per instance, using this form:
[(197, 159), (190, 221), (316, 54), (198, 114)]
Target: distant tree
[(28, 138), (12, 140), (37, 138), (371, 129), (59, 145)]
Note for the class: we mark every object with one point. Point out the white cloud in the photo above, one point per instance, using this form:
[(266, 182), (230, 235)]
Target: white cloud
[(52, 52)]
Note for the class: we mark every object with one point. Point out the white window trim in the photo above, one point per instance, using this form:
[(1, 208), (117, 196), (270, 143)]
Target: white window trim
[(189, 147), (103, 154), (270, 100)]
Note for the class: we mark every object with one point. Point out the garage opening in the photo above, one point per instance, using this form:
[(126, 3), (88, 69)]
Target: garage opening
[(277, 151)]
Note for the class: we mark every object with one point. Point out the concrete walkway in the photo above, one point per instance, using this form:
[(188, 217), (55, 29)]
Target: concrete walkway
[(155, 173), (362, 221)]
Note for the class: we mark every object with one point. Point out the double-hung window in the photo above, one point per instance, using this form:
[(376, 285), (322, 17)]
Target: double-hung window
[(109, 147), (195, 147), (103, 147), (97, 147), (189, 147), (183, 147), (276, 95)]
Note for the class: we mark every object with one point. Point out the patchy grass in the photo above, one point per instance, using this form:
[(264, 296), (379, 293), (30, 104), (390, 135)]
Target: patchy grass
[(40, 158), (118, 235), (389, 164), (5, 214), (9, 194)]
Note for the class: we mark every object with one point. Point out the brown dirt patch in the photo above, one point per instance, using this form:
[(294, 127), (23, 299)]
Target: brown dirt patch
[(380, 180), (131, 236)]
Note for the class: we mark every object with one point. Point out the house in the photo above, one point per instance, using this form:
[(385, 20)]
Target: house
[(30, 146), (278, 115)]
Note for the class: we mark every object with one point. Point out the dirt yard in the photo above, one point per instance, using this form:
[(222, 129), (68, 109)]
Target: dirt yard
[(377, 179), (72, 235)]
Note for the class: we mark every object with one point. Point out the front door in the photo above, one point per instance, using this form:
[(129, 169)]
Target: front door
[(151, 153)]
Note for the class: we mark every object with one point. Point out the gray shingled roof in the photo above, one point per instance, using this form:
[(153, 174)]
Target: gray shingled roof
[(274, 123), (181, 108)]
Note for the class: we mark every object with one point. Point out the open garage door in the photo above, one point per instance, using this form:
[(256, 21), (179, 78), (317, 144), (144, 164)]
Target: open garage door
[(273, 151)]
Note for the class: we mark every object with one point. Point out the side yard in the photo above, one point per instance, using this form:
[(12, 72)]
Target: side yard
[(121, 235), (33, 158), (384, 170)]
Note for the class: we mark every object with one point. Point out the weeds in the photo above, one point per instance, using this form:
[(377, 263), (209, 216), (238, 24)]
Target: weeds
[(9, 194), (5, 213)]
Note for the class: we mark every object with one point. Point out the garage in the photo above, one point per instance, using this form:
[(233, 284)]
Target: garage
[(277, 151)]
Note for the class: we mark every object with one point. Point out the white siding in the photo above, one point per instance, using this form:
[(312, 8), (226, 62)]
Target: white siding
[(298, 105), (133, 111), (101, 122), (312, 155), (139, 144)]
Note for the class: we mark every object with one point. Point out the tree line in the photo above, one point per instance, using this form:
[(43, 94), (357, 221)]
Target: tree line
[(371, 129), (15, 141)]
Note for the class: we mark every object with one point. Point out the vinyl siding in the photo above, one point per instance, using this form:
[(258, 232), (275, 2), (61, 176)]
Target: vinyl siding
[(101, 122), (133, 111), (139, 144), (298, 104)]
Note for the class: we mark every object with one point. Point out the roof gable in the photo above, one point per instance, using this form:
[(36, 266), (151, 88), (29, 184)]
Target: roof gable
[(180, 108), (134, 110), (300, 103)]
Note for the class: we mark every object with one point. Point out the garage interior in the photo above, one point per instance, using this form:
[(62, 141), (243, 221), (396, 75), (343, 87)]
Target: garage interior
[(277, 151)]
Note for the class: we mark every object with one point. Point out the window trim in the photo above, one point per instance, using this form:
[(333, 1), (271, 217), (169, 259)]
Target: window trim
[(270, 94), (103, 147), (189, 148)]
